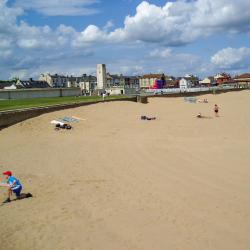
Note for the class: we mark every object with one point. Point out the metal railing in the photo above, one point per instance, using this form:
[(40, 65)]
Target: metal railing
[(189, 90)]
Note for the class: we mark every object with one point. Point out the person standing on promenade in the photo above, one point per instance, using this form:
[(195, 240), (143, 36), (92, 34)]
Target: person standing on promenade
[(216, 110)]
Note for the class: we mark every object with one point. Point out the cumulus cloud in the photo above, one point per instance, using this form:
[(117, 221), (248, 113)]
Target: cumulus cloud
[(59, 7), (169, 56), (163, 27), (231, 58), (174, 24), (177, 23)]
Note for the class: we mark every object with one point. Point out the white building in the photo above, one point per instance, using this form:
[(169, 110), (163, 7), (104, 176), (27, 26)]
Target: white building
[(184, 84), (207, 81), (101, 76)]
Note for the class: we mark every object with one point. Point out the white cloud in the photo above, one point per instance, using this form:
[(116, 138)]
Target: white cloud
[(181, 22), (174, 24), (59, 7), (163, 53), (168, 56), (151, 28), (92, 34), (231, 58)]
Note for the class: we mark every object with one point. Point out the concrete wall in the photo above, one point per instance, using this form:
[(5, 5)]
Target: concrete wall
[(38, 93), (130, 91), (8, 118)]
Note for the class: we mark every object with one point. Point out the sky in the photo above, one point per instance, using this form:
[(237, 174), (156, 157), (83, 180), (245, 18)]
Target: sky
[(132, 37)]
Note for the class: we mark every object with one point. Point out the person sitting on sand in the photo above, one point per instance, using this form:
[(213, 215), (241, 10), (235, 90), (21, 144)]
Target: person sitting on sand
[(203, 101), (13, 185), (216, 110), (199, 115)]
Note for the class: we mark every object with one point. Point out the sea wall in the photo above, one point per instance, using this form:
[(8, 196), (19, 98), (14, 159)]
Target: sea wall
[(38, 93), (8, 118)]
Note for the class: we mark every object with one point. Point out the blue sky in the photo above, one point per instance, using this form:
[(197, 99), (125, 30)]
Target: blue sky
[(201, 37)]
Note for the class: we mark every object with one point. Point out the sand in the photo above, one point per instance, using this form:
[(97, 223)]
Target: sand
[(115, 182)]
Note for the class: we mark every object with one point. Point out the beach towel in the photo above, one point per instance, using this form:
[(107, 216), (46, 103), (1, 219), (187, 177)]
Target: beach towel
[(190, 99), (69, 119), (78, 118)]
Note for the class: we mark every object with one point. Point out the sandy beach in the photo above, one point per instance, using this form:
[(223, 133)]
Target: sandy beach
[(116, 182)]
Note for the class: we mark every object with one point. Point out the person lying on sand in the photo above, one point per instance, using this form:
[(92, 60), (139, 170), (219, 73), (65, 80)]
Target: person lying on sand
[(144, 117), (64, 126), (59, 125), (13, 185), (202, 116)]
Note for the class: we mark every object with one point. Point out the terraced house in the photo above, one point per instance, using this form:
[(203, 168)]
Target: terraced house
[(147, 81)]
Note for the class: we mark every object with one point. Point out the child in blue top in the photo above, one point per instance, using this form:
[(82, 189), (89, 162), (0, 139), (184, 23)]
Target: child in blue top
[(13, 185)]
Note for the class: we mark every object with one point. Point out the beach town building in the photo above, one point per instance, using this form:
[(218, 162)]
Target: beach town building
[(31, 84), (87, 83), (207, 81), (121, 80), (243, 80), (147, 81), (223, 78), (101, 76), (25, 84), (132, 81), (119, 84), (172, 83), (193, 80), (55, 81), (8, 85), (185, 83), (115, 80)]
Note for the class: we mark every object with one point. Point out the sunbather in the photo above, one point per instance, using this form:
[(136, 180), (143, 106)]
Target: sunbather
[(144, 117)]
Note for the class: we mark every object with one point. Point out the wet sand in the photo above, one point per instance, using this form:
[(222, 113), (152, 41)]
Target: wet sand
[(117, 182)]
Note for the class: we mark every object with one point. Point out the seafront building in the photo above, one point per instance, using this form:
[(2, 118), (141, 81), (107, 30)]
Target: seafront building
[(185, 83), (116, 84), (223, 78), (243, 80), (87, 83), (147, 81), (54, 81), (26, 84), (207, 81)]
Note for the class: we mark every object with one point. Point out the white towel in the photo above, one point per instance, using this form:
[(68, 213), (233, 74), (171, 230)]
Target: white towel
[(57, 122)]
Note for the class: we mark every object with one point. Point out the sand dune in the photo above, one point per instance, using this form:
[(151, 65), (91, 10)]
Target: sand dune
[(116, 182)]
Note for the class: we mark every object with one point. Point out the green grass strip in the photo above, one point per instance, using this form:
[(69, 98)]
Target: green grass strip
[(42, 102)]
